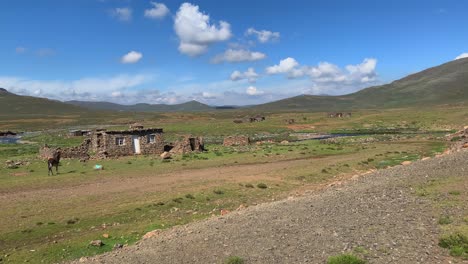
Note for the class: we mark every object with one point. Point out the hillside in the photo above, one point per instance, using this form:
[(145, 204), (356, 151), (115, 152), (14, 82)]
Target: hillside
[(192, 106), (13, 105), (444, 84)]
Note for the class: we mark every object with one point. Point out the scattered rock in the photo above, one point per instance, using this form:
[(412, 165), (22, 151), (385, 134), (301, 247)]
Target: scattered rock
[(406, 162), (465, 145), (96, 243), (241, 207), (118, 246), (151, 234), (165, 155), (284, 142), (224, 212), (105, 235)]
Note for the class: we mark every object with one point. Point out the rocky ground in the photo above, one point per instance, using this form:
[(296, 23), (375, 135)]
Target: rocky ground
[(377, 215)]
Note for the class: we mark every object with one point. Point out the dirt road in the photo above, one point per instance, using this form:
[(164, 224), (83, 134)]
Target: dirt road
[(378, 214)]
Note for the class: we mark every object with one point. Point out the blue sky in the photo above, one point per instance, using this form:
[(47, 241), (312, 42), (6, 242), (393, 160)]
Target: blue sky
[(220, 52)]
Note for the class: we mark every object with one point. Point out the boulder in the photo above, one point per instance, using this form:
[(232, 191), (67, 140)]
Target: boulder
[(407, 162), (96, 243), (165, 155)]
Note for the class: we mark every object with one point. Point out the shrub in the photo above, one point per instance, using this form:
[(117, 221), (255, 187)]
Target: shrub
[(248, 185), (178, 200), (218, 192), (454, 192), (262, 186), (345, 259), (445, 220), (234, 260), (457, 243), (189, 196)]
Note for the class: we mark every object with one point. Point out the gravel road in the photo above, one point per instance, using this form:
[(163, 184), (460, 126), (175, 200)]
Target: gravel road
[(377, 213)]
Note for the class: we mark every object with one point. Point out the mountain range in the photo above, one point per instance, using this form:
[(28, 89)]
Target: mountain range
[(443, 84)]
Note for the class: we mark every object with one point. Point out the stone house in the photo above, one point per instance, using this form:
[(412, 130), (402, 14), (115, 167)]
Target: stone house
[(127, 142)]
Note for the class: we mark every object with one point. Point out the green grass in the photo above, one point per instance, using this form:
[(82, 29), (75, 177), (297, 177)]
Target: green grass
[(345, 259), (234, 260), (457, 243)]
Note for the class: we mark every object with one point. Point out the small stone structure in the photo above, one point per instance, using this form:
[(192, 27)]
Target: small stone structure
[(339, 115), (104, 144), (79, 133), (128, 142), (188, 144), (236, 141), (7, 133)]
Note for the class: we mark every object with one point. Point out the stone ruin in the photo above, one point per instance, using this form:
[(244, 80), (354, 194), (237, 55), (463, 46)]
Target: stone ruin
[(186, 145), (236, 141), (459, 139)]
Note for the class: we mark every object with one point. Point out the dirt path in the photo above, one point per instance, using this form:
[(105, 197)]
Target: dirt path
[(378, 213)]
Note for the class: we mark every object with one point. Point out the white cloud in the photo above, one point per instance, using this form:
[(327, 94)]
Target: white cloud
[(95, 89), (249, 75), (462, 56), (131, 57), (232, 55), (285, 66), (327, 72), (252, 90), (158, 11), (195, 31), (263, 35), (122, 13), (20, 50)]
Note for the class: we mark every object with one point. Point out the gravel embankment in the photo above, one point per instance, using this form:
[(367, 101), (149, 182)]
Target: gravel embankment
[(377, 212)]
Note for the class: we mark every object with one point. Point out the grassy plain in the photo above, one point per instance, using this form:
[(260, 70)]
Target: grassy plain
[(53, 218)]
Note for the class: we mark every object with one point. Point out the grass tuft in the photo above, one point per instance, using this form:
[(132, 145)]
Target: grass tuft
[(234, 260), (262, 186), (345, 259)]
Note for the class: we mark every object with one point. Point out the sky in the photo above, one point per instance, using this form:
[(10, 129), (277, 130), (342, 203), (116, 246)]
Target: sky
[(220, 52)]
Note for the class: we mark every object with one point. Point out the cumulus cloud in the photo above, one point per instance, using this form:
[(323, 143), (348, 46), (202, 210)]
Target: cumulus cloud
[(326, 72), (252, 90), (263, 36), (131, 57), (94, 89), (195, 32), (122, 13), (249, 75), (158, 11), (285, 66), (462, 56), (233, 55)]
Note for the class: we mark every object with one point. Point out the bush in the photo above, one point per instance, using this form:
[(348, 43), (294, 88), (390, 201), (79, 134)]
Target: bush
[(457, 243), (178, 200), (345, 259), (189, 196), (234, 260), (218, 192), (262, 186), (248, 185), (445, 220)]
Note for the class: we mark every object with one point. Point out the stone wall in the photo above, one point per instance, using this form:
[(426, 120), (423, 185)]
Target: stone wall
[(78, 152), (188, 144), (236, 141)]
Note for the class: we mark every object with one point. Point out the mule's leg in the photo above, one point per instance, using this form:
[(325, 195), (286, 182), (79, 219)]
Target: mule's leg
[(56, 168), (49, 166)]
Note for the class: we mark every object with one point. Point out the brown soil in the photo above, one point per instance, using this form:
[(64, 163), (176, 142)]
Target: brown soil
[(377, 213)]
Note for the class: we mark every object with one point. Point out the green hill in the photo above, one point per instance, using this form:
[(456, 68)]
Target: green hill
[(192, 106), (15, 105), (444, 84)]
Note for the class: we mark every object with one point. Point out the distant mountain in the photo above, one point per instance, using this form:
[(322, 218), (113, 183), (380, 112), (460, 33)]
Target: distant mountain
[(12, 105), (444, 84), (191, 106)]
